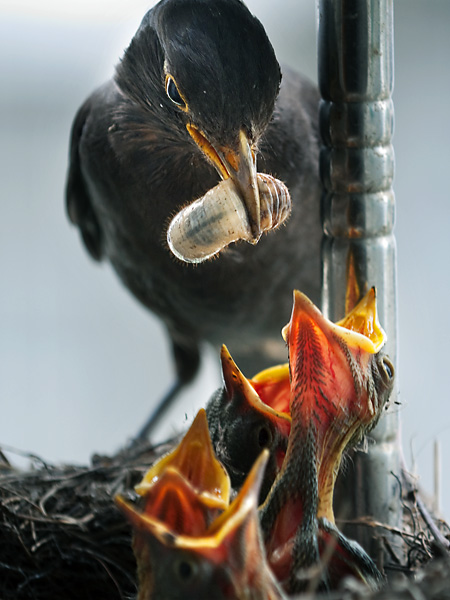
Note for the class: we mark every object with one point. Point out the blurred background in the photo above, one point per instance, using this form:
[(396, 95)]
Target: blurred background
[(80, 360)]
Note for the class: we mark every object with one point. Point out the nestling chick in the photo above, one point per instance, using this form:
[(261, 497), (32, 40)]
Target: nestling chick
[(226, 562), (340, 382), (248, 415)]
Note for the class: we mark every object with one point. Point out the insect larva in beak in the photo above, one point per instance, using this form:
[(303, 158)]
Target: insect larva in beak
[(205, 227)]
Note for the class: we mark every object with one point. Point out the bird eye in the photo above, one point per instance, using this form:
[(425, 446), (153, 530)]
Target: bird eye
[(173, 93), (264, 437), (388, 368), (185, 570)]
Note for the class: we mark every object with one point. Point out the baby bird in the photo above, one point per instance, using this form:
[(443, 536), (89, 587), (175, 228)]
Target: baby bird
[(340, 382), (248, 415), (225, 562)]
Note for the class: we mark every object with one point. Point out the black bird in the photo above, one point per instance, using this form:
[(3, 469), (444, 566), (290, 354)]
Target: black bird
[(196, 98)]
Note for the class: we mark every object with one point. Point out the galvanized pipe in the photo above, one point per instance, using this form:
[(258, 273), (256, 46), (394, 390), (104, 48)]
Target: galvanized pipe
[(355, 49)]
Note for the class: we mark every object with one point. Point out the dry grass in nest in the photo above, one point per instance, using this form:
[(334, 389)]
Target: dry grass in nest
[(61, 536)]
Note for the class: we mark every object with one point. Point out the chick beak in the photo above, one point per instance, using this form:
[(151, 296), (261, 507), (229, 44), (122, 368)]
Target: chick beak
[(273, 383), (273, 386), (364, 319), (174, 504), (195, 460), (325, 359), (239, 164), (245, 504), (235, 539)]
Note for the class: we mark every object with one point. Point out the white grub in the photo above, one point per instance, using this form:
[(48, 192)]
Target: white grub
[(205, 227)]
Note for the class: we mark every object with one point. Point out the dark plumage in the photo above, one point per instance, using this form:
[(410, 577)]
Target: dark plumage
[(133, 165)]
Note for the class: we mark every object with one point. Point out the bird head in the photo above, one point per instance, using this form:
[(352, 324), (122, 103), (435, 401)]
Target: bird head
[(207, 71), (226, 562), (340, 382), (181, 495), (248, 415)]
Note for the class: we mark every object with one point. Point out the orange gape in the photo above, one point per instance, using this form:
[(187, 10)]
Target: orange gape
[(195, 461)]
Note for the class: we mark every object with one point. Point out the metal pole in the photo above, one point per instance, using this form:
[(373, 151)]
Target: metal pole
[(355, 48)]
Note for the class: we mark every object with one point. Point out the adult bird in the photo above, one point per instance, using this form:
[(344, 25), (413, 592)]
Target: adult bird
[(195, 99)]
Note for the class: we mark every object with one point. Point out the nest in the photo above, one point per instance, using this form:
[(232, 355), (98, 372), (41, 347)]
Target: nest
[(61, 536)]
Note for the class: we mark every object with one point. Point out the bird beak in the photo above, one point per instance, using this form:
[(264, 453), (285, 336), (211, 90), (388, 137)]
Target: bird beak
[(240, 389), (273, 386), (239, 164), (245, 503), (364, 319), (171, 503), (304, 309), (234, 540), (195, 460)]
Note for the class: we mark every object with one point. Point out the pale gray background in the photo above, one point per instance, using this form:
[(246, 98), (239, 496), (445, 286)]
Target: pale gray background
[(80, 360)]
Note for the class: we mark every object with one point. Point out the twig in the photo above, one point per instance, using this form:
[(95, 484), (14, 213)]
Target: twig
[(441, 541)]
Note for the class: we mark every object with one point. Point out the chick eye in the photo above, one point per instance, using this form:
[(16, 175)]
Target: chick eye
[(388, 368), (185, 570), (265, 437), (173, 93)]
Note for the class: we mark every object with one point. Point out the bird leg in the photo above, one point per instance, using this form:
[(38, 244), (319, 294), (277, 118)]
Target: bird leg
[(187, 362)]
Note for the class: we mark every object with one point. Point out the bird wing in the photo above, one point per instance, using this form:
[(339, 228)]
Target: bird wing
[(78, 201)]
